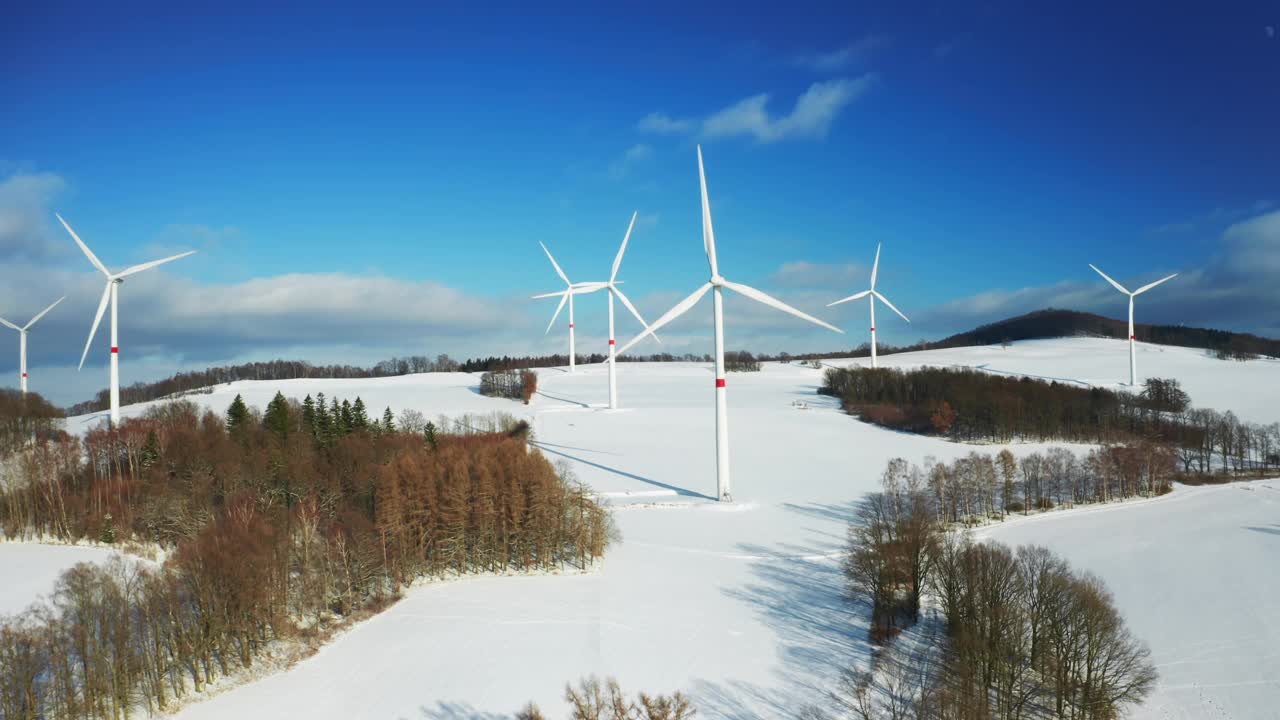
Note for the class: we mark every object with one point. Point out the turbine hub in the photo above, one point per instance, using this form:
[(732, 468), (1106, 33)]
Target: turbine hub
[(717, 281)]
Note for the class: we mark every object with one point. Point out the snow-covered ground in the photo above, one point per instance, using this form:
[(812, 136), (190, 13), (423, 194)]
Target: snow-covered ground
[(1195, 575), (29, 571), (738, 605)]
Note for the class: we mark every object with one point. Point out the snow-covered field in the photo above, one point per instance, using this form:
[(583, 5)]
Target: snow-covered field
[(29, 571), (741, 605), (1195, 575)]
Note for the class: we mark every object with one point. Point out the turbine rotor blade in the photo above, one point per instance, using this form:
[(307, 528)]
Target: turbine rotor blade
[(6, 323), (587, 287), (708, 233), (44, 311), (862, 294), (679, 309), (617, 261), (88, 253), (885, 300), (555, 265), (1148, 286), (1117, 285), (563, 299), (627, 304), (147, 266), (102, 307), (875, 267), (760, 297), (557, 293)]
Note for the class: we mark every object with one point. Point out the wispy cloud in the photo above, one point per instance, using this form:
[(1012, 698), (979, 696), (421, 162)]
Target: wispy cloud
[(1235, 289), (843, 57), (811, 117), (26, 208), (663, 124), (633, 156), (838, 276), (1212, 220)]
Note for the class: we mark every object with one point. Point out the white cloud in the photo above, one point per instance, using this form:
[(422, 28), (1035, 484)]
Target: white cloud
[(26, 209), (1270, 30), (843, 57), (664, 124), (634, 155), (812, 116), (801, 274)]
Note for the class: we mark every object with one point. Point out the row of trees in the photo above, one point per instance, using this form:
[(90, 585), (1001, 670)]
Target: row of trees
[(970, 405), (596, 700), (1025, 636), (25, 419), (513, 384), (275, 535)]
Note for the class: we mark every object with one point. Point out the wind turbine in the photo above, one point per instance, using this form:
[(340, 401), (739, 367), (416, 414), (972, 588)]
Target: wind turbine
[(612, 287), (22, 342), (1133, 360), (716, 285), (872, 296), (567, 294), (111, 293)]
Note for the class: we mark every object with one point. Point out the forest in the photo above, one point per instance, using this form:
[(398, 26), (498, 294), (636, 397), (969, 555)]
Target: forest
[(1023, 634), (276, 526), (973, 406)]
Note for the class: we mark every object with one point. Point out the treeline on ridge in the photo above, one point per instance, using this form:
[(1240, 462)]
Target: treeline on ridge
[(276, 531)]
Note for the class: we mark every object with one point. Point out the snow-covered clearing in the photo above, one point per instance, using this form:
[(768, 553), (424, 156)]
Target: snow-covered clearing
[(28, 571), (741, 605), (1194, 574)]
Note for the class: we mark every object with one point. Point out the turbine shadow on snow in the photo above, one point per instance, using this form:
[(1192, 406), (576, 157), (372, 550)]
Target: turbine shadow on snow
[(458, 711), (799, 592), (678, 490), (1275, 530), (579, 403), (542, 443)]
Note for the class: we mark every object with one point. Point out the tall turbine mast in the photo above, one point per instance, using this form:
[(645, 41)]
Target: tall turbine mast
[(872, 295), (22, 340), (716, 285), (1133, 360), (111, 294), (567, 294)]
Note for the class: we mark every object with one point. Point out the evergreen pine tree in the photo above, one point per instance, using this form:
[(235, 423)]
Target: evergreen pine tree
[(276, 419), (388, 421), (429, 433), (237, 414), (359, 417), (324, 422), (348, 418), (336, 420), (151, 450), (309, 413)]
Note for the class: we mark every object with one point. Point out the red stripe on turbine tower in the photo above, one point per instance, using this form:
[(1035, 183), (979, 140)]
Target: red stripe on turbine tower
[(24, 374), (115, 350), (719, 382), (570, 326), (873, 329), (1132, 337), (611, 341)]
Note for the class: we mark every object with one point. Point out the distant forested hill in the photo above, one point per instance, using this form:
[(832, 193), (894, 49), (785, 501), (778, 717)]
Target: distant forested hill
[(1053, 323)]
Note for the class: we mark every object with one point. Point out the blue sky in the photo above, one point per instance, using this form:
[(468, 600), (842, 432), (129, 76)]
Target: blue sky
[(374, 181)]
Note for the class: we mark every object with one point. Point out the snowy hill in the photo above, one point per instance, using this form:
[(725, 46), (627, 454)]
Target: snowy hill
[(740, 605)]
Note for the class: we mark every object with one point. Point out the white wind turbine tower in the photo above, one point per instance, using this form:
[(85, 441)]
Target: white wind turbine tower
[(567, 294), (612, 287), (111, 293), (1133, 361), (872, 295), (716, 285), (22, 342)]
